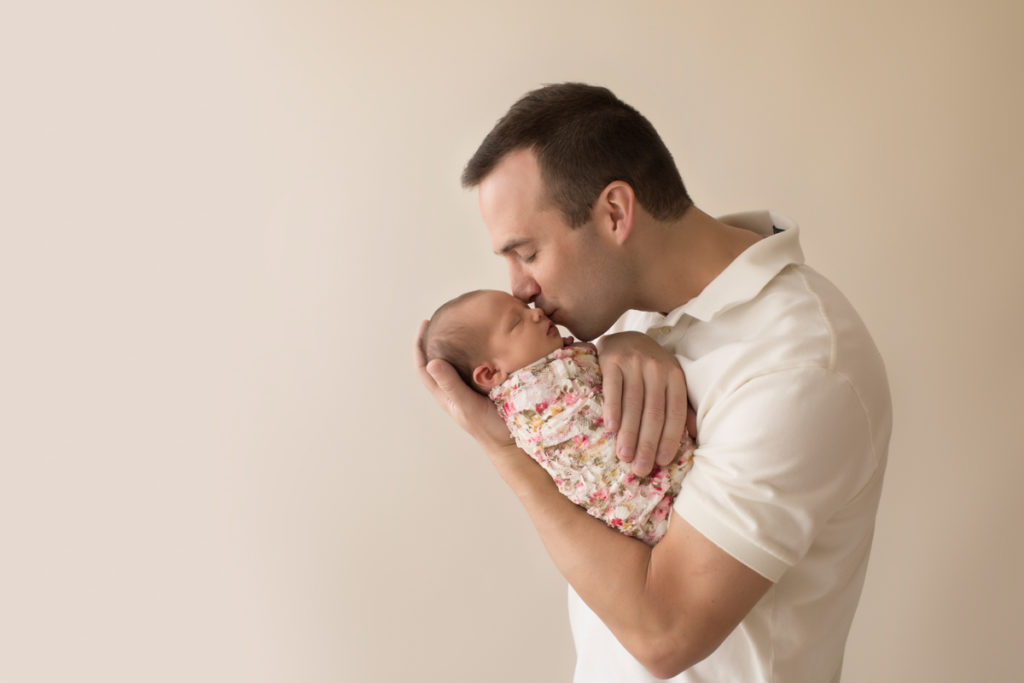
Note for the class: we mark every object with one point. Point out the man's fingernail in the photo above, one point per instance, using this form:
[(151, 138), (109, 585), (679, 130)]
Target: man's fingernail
[(625, 453)]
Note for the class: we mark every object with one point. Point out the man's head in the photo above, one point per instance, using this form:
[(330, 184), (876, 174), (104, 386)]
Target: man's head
[(486, 335), (562, 177), (584, 138)]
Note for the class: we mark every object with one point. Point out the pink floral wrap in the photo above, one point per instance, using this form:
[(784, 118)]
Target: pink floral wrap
[(553, 408)]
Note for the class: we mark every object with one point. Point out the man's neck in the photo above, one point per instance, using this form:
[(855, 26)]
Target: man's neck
[(680, 258)]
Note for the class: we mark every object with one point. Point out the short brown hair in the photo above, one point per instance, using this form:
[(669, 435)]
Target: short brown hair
[(585, 138), (451, 340)]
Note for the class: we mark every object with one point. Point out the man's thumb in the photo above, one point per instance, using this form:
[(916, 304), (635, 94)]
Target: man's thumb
[(443, 373)]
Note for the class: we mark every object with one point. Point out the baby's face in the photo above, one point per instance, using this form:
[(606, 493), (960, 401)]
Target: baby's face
[(516, 334)]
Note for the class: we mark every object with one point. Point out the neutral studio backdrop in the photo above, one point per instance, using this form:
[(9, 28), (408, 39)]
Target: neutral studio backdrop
[(222, 221)]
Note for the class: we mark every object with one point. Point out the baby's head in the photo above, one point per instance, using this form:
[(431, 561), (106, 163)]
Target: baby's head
[(487, 335)]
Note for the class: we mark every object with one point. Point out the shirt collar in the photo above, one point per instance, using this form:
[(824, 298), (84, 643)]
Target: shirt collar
[(746, 276)]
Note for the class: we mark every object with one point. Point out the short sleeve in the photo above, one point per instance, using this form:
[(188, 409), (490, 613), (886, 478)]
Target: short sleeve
[(776, 458)]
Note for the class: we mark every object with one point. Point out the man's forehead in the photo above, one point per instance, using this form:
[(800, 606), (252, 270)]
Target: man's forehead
[(510, 199), (516, 177)]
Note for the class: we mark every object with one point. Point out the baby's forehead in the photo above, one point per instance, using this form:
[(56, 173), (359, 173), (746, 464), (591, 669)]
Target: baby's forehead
[(485, 309)]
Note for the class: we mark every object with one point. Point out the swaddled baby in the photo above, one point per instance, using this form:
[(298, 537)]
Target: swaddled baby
[(548, 390)]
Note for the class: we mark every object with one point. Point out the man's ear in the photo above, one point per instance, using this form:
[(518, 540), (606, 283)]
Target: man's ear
[(488, 375), (618, 205)]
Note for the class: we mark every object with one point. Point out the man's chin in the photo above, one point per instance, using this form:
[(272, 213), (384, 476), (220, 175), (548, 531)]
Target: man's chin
[(587, 333), (583, 335)]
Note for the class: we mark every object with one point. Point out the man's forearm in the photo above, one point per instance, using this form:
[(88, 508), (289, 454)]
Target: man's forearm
[(669, 606), (607, 569)]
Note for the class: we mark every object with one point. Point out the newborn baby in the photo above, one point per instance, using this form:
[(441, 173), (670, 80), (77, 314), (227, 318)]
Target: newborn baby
[(548, 390)]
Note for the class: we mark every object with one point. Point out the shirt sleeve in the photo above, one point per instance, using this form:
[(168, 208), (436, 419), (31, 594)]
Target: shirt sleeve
[(776, 458)]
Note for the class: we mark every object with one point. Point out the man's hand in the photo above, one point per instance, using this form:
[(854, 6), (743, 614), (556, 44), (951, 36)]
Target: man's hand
[(644, 399), (474, 412)]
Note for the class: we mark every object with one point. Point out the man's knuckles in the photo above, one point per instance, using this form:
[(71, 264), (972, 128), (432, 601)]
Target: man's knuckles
[(655, 412)]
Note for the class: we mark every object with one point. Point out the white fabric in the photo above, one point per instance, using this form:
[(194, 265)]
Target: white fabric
[(794, 417)]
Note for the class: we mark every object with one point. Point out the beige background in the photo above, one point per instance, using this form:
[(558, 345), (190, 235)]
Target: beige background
[(221, 223)]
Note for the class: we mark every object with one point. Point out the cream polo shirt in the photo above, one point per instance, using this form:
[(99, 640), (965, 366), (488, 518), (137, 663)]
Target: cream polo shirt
[(794, 417)]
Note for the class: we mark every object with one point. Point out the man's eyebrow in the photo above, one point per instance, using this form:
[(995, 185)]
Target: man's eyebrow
[(512, 245)]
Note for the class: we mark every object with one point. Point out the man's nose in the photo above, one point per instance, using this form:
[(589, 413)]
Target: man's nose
[(524, 287)]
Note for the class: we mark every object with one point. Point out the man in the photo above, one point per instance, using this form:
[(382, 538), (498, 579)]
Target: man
[(761, 569)]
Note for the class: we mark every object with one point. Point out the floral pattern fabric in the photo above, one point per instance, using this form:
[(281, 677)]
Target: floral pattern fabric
[(553, 408)]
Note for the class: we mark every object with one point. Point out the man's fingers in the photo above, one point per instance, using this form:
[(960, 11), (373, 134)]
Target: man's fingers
[(421, 361), (612, 390), (632, 396), (646, 389), (436, 375), (652, 423), (472, 411), (691, 422), (417, 349), (675, 419), (445, 376)]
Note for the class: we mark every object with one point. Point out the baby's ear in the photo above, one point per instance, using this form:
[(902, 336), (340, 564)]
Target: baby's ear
[(488, 375)]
